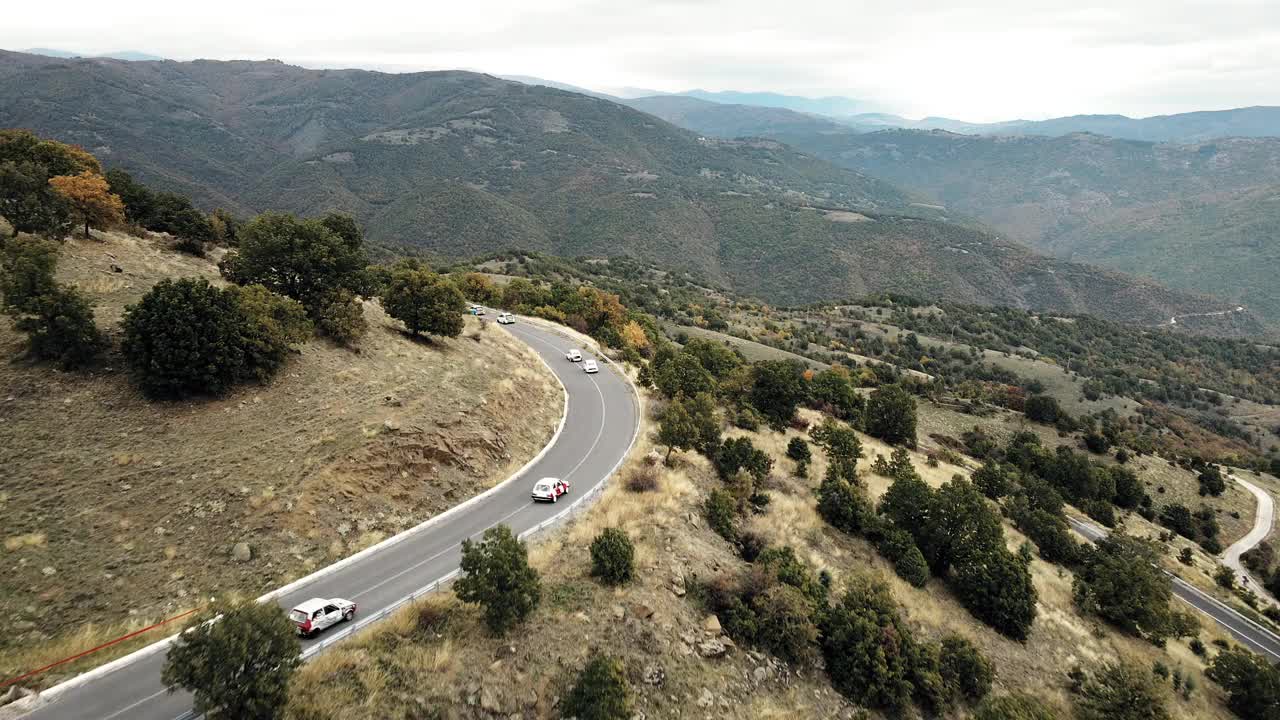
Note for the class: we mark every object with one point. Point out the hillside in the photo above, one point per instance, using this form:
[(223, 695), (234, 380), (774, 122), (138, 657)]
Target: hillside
[(1198, 217), (458, 164), (120, 511), (732, 121)]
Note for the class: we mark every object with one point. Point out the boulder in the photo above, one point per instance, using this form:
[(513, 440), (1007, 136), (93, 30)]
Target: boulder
[(711, 624), (241, 552), (706, 699), (712, 648)]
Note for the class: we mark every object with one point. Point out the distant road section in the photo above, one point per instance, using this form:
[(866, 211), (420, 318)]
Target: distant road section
[(1262, 521), (1250, 634)]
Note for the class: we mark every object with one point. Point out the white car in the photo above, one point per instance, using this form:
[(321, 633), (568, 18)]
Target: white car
[(506, 319), (590, 366), (549, 489), (574, 355), (317, 614)]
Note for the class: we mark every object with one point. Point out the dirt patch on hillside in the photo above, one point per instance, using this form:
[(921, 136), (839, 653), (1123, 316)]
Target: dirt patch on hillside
[(137, 505)]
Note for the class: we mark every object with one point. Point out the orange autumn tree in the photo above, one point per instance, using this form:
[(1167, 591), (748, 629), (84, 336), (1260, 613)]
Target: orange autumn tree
[(91, 199)]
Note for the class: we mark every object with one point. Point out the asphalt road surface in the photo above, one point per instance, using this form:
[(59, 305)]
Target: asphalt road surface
[(1249, 633), (601, 423), (1262, 520)]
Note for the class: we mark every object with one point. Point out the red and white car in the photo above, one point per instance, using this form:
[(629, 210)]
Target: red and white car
[(550, 489), (317, 614)]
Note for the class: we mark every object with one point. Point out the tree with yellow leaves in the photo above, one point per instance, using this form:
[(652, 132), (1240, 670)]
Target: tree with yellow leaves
[(91, 199)]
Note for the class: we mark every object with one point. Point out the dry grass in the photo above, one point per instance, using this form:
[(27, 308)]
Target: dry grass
[(340, 450)]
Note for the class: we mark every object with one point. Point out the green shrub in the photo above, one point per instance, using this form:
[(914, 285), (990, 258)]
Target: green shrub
[(307, 260), (898, 547), (785, 623), (1042, 409), (496, 575), (844, 506), (27, 265), (891, 415), (965, 670), (600, 692), (274, 323), (339, 316), (1252, 684), (1120, 691), (868, 649), (721, 511), (612, 557), (62, 329)]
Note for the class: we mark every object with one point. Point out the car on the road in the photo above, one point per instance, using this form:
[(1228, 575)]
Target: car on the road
[(506, 318), (549, 489), (590, 366), (317, 614), (574, 355)]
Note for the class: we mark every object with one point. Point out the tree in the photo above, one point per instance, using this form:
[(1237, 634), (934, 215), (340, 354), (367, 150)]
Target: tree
[(27, 265), (1120, 582), (843, 449), (798, 450), (1120, 691), (843, 505), (908, 504), (739, 454), (29, 203), (965, 671), (676, 428), (776, 390), (1211, 482), (496, 575), (891, 415), (613, 557), (683, 374), (339, 316), (424, 301), (898, 547), (185, 338), (600, 692), (55, 157), (995, 585), (993, 479), (1252, 684), (833, 390), (706, 424), (1042, 409), (721, 510), (91, 200), (718, 358), (273, 324), (306, 260), (785, 623), (62, 329), (959, 524), (868, 649), (237, 660)]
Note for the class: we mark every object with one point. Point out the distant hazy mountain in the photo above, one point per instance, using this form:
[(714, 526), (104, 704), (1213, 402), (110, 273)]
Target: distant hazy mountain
[(130, 55), (831, 106), (733, 121), (531, 80), (1184, 127)]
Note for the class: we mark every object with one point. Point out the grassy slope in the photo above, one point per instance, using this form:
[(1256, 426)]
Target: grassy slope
[(119, 509), (408, 665)]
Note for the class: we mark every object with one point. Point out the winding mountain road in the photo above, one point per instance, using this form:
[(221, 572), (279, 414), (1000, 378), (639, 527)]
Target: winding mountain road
[(1262, 520), (601, 423)]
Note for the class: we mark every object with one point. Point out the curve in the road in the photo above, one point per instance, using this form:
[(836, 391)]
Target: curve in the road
[(601, 424), (1263, 517)]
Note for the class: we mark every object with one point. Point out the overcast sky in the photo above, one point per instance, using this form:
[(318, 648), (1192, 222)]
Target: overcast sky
[(979, 60)]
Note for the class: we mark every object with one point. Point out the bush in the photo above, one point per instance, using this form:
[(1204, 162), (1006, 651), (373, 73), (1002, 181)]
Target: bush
[(891, 415), (612, 557), (1120, 691), (798, 450), (339, 316), (995, 586), (785, 624), (1120, 582), (27, 265), (643, 479), (993, 480), (238, 667), (496, 575), (424, 301), (62, 329), (1014, 707), (738, 454), (1252, 684), (1225, 577), (1042, 409), (721, 511), (777, 388), (184, 338), (898, 547), (1211, 481), (964, 669), (844, 506), (600, 692), (273, 324), (869, 650), (311, 261)]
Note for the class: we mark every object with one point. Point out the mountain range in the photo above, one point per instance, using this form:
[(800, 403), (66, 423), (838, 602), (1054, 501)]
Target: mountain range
[(457, 164)]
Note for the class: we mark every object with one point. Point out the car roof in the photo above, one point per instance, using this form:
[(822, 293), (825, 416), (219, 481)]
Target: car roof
[(548, 479), (310, 606)]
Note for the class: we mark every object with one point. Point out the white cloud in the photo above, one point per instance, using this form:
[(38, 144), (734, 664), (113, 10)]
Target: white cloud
[(980, 60)]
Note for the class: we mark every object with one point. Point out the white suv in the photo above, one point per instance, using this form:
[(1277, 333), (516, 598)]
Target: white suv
[(590, 366), (506, 319), (574, 355), (317, 614)]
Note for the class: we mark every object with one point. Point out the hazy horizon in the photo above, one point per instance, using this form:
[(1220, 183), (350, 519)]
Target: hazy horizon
[(992, 60)]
